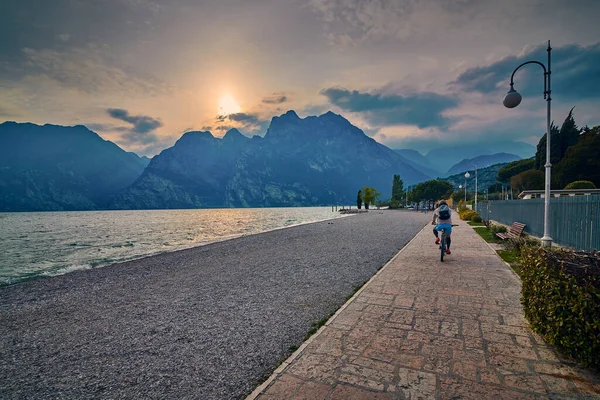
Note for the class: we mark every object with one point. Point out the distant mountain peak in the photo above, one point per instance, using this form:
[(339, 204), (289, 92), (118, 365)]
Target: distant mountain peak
[(482, 161), (233, 134), (331, 116), (290, 114), (197, 135)]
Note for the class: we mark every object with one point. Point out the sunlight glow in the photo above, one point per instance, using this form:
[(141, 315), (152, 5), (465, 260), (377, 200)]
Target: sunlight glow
[(228, 105)]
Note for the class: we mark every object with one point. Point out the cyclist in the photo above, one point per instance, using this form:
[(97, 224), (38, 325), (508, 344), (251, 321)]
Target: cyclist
[(442, 219)]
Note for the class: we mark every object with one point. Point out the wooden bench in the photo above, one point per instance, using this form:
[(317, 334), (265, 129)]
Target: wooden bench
[(515, 231)]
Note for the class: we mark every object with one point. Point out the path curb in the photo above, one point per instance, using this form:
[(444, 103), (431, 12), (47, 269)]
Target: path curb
[(256, 392)]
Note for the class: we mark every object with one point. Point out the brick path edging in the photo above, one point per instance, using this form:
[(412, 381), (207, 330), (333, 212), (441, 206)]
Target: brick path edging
[(256, 392)]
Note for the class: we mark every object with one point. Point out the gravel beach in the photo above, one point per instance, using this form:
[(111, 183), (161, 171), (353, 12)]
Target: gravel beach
[(204, 323)]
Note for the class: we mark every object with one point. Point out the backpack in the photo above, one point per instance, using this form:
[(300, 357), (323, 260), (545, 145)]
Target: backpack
[(444, 212)]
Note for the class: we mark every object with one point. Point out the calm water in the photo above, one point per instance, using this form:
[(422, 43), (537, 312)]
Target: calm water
[(54, 243)]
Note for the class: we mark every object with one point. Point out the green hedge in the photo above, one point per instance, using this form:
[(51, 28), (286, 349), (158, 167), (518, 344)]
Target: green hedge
[(561, 300)]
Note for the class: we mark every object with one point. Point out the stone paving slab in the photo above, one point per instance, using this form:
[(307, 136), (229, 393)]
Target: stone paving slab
[(422, 329)]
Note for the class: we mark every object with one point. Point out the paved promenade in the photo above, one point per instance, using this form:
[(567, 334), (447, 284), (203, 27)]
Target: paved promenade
[(421, 329)]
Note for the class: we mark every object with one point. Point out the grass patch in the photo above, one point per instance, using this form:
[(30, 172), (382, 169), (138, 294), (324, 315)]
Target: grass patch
[(315, 327), (473, 223), (487, 235), (511, 257), (356, 289)]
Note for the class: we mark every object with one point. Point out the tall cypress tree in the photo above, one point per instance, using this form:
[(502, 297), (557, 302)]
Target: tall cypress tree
[(540, 154), (397, 188), (561, 140), (569, 134)]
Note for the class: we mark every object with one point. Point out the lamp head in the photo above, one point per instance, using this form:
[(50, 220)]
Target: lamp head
[(467, 174), (512, 98)]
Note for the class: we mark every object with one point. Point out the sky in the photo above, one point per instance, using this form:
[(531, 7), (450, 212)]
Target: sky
[(410, 73)]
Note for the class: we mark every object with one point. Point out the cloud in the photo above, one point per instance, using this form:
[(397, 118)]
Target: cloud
[(575, 73), (63, 37), (141, 123), (423, 109), (250, 122), (89, 70), (224, 128), (249, 118), (275, 98), (102, 127), (204, 128)]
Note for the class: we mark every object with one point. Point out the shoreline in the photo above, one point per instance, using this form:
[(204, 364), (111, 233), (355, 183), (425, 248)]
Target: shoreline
[(90, 266)]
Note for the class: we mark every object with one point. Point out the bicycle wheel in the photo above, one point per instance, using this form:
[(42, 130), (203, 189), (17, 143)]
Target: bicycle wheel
[(443, 245)]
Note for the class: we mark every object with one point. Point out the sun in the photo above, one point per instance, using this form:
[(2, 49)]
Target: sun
[(228, 105)]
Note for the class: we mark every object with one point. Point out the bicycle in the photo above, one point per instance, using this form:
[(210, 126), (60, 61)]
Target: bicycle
[(443, 243)]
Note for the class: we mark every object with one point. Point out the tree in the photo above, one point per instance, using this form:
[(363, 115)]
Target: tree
[(562, 139), (532, 179), (580, 185), (460, 195), (369, 195), (359, 200), (540, 154), (569, 134), (513, 168), (497, 187), (397, 188), (582, 160), (431, 190)]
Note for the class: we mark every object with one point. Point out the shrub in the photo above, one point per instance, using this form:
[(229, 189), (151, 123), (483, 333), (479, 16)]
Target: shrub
[(580, 185), (467, 215), (561, 300), (518, 244), (497, 228), (394, 204), (476, 218)]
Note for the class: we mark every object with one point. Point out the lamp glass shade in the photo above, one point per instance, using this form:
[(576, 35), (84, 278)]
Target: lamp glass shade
[(467, 175), (512, 99)]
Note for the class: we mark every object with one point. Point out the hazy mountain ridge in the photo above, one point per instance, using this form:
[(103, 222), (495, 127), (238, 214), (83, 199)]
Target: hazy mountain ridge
[(52, 167), (485, 177), (419, 161), (482, 162), (445, 157)]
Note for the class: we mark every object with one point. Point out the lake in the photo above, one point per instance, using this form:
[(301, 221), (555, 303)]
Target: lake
[(52, 243)]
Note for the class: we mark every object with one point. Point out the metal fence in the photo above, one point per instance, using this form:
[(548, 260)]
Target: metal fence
[(574, 221)]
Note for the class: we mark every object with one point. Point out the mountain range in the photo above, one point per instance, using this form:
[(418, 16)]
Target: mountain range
[(317, 160), (61, 168), (468, 164), (485, 178), (444, 158), (320, 160)]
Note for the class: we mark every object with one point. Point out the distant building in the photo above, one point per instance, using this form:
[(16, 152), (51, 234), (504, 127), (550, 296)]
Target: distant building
[(539, 194)]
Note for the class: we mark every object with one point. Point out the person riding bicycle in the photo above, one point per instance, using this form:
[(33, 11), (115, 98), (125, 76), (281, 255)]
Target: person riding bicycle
[(442, 219)]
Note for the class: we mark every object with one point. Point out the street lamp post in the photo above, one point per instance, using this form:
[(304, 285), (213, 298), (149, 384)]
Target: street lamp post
[(467, 175), (476, 186), (513, 99)]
